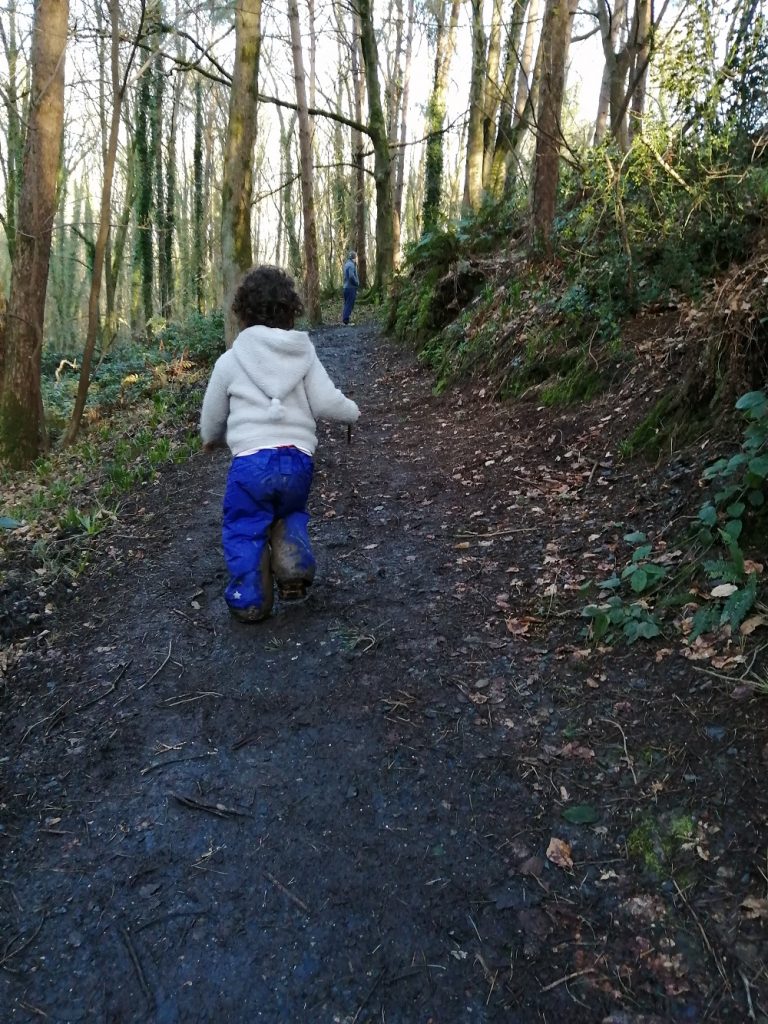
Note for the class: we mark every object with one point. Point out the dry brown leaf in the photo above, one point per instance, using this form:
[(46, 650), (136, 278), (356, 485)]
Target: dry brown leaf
[(755, 907), (517, 627), (750, 625), (559, 852)]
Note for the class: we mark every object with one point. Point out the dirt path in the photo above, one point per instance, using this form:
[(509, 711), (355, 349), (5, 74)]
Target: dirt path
[(343, 814)]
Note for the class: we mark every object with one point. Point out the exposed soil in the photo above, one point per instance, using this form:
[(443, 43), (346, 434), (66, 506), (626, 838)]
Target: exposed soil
[(347, 813)]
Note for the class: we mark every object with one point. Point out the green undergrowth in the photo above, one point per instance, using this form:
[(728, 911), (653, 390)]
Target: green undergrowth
[(142, 414), (702, 586), (632, 231)]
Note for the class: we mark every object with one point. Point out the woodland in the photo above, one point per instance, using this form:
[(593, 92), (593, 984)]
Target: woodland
[(554, 509)]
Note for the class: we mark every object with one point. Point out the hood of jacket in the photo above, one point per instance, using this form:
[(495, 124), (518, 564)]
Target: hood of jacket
[(272, 359)]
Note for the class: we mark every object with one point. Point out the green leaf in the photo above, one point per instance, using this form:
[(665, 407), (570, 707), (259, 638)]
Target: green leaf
[(704, 620), (756, 498), (726, 494), (707, 515), (751, 400), (639, 581), (736, 461), (581, 814), (648, 629), (759, 466), (655, 572), (736, 510), (635, 538), (738, 605), (600, 626), (733, 528), (642, 552), (6, 523), (715, 469), (610, 584)]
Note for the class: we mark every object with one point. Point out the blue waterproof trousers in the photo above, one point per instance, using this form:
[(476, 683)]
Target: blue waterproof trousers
[(266, 496), (350, 294)]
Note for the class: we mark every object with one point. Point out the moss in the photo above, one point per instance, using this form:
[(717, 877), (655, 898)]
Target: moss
[(656, 844)]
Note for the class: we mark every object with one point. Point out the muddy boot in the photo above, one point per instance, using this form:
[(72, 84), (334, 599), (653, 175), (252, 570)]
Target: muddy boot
[(292, 562), (258, 612)]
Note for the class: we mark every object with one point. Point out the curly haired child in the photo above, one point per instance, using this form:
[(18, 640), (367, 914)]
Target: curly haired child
[(262, 401)]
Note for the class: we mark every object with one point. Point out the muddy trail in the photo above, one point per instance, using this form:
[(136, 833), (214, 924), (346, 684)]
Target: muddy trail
[(417, 797)]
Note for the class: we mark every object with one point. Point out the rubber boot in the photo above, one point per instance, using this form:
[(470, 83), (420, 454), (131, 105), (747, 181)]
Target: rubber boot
[(292, 563), (258, 612)]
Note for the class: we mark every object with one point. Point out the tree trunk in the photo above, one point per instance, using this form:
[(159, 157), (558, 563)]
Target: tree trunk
[(612, 23), (198, 225), (22, 426), (382, 163), (492, 94), (554, 45), (473, 174), (110, 157), (435, 116), (400, 159), (311, 270), (503, 145), (638, 69), (14, 136), (358, 159), (237, 184)]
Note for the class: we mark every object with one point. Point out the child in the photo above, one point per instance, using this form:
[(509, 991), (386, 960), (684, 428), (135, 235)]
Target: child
[(351, 282), (262, 401)]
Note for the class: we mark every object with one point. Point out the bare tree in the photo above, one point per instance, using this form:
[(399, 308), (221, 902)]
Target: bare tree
[(108, 173), (22, 425), (553, 50), (311, 270), (237, 184)]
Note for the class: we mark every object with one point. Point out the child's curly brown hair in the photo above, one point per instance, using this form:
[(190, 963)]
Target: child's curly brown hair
[(267, 296)]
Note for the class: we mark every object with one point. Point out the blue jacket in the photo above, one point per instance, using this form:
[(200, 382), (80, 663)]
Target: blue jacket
[(350, 274)]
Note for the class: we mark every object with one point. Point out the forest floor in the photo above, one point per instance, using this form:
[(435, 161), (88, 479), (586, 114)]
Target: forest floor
[(420, 796)]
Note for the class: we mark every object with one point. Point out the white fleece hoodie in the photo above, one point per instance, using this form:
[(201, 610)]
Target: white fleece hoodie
[(267, 391)]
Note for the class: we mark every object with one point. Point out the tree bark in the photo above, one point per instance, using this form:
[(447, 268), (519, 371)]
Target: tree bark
[(14, 136), (473, 173), (237, 184), (311, 270), (110, 158), (22, 426), (553, 48), (382, 162), (400, 159), (435, 116), (512, 63), (358, 159), (492, 94)]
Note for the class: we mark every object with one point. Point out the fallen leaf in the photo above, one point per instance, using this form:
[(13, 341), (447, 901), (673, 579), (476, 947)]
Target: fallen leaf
[(750, 625), (517, 627), (559, 852), (755, 907), (581, 814), (576, 750), (723, 590)]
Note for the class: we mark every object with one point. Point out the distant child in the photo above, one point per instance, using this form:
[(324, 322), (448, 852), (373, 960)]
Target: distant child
[(350, 282), (262, 401)]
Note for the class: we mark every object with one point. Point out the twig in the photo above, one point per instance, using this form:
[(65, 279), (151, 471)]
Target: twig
[(751, 1009), (707, 943), (106, 693), (160, 668), (287, 892), (137, 965), (186, 698), (9, 954), (499, 533), (368, 995), (567, 977), (176, 760), (218, 810), (627, 758), (46, 719)]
